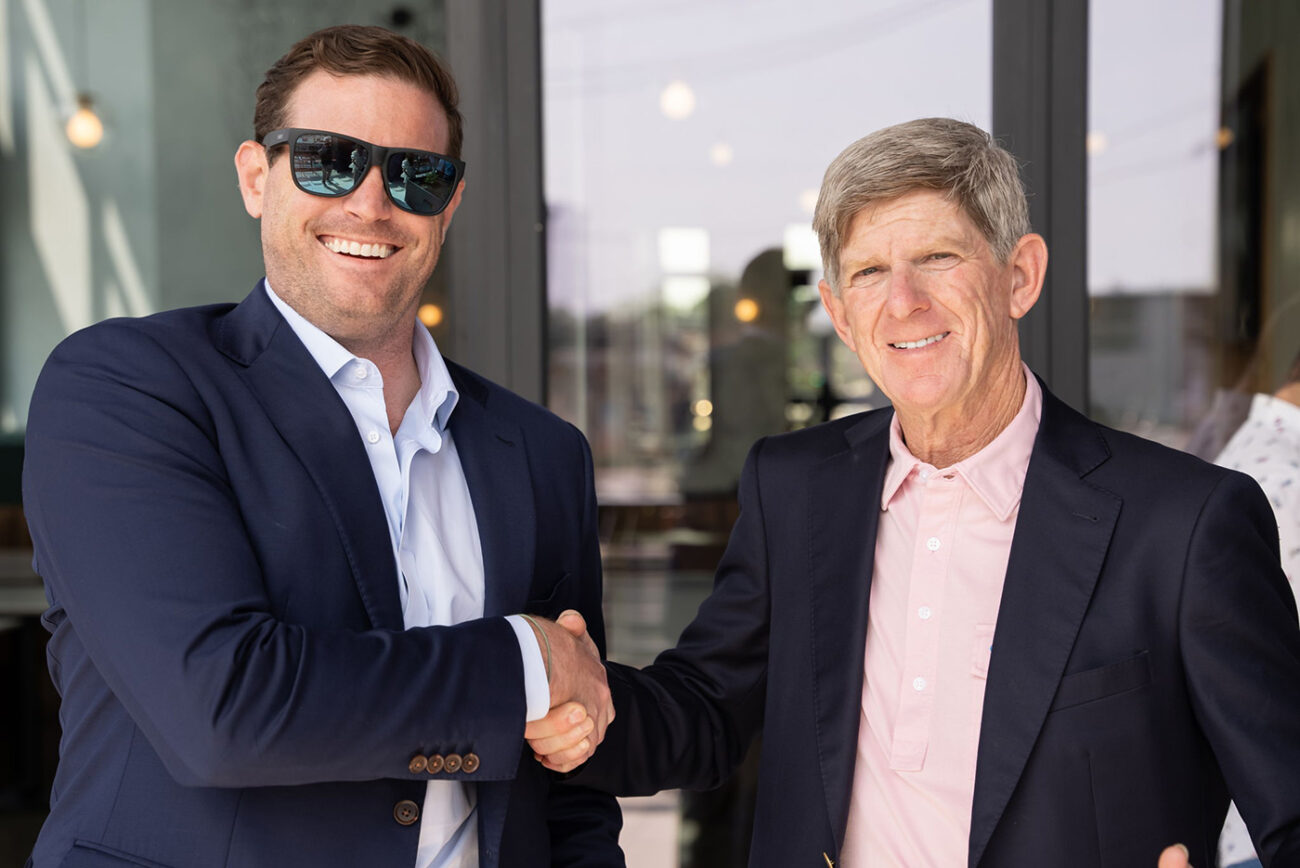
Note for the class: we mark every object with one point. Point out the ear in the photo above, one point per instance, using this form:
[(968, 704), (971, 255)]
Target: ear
[(252, 168), (1028, 269), (835, 308), (447, 212)]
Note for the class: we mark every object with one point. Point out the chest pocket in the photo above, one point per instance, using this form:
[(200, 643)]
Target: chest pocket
[(1110, 680)]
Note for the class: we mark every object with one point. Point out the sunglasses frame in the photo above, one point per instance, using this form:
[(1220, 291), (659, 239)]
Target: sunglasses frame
[(377, 155)]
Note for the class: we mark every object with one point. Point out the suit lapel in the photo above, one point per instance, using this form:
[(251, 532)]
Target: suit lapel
[(1062, 534), (319, 430), (841, 533), (492, 454)]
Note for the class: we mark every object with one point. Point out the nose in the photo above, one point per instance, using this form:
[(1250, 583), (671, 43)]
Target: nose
[(907, 294), (369, 201)]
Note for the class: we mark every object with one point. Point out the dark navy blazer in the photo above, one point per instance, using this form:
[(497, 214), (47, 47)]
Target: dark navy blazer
[(238, 689), (1146, 659)]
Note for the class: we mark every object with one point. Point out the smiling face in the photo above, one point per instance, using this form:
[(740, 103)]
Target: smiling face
[(931, 313), (353, 266)]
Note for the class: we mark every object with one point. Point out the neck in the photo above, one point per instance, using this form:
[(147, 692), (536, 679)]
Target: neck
[(1289, 393), (942, 439), (396, 362)]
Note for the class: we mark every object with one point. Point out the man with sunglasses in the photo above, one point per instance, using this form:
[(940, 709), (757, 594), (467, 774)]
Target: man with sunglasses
[(301, 568)]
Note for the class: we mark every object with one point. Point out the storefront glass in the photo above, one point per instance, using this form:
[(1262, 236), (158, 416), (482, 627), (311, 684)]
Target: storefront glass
[(1193, 213)]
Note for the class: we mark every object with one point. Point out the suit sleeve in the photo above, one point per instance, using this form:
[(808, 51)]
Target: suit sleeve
[(585, 823), (143, 548), (1241, 656), (687, 720)]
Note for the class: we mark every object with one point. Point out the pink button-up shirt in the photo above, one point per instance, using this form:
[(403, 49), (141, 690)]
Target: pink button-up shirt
[(941, 558)]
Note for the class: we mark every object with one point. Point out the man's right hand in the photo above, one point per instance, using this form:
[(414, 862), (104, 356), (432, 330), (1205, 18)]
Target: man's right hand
[(560, 740), (581, 705)]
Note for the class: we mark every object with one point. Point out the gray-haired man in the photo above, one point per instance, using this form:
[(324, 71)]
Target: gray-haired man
[(977, 627)]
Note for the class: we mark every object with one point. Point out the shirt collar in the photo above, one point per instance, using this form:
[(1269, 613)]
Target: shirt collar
[(996, 473), (437, 396)]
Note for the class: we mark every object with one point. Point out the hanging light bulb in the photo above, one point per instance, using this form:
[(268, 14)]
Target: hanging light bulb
[(84, 129)]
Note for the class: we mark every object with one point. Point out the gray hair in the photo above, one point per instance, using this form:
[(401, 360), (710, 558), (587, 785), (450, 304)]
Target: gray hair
[(942, 154)]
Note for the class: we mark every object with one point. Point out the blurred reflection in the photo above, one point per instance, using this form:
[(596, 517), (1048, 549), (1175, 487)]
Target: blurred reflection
[(1194, 218), (745, 370)]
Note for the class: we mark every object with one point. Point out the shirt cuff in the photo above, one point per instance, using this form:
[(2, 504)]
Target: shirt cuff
[(537, 690)]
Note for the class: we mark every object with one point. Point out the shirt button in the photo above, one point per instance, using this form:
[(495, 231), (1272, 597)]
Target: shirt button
[(361, 372), (924, 613), (925, 474), (373, 437), (932, 543), (918, 684)]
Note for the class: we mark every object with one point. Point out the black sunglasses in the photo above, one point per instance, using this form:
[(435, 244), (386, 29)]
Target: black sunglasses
[(331, 164)]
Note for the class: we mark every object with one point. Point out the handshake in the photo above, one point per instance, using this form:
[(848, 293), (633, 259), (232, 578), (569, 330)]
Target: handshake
[(581, 705)]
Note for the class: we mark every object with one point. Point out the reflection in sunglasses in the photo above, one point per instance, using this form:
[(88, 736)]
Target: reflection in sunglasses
[(328, 164)]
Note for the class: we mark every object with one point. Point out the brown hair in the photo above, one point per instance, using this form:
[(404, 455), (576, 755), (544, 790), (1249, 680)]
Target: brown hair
[(950, 156), (352, 49)]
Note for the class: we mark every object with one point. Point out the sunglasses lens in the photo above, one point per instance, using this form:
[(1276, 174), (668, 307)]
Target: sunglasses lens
[(420, 181), (328, 165)]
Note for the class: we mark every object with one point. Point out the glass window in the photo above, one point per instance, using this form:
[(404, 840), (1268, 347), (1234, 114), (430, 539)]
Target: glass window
[(684, 146), (1193, 213)]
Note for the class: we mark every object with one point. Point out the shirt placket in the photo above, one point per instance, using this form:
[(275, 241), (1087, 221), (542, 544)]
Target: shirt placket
[(931, 555), (365, 382), (413, 456)]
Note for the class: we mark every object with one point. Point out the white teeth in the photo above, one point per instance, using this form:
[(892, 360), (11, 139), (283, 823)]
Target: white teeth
[(925, 342), (356, 248)]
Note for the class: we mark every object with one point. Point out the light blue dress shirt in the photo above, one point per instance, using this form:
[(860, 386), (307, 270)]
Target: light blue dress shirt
[(435, 540)]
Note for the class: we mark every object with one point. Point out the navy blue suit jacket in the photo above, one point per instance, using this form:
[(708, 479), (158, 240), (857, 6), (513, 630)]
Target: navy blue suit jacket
[(238, 689), (1146, 658)]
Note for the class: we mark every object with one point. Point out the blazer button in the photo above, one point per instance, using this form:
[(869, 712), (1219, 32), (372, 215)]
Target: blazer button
[(452, 764), (406, 812), (435, 764), (418, 763), (469, 764)]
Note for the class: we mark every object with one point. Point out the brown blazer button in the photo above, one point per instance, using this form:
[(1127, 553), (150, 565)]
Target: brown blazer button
[(435, 764), (406, 812), (418, 763), (469, 764), (453, 763)]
